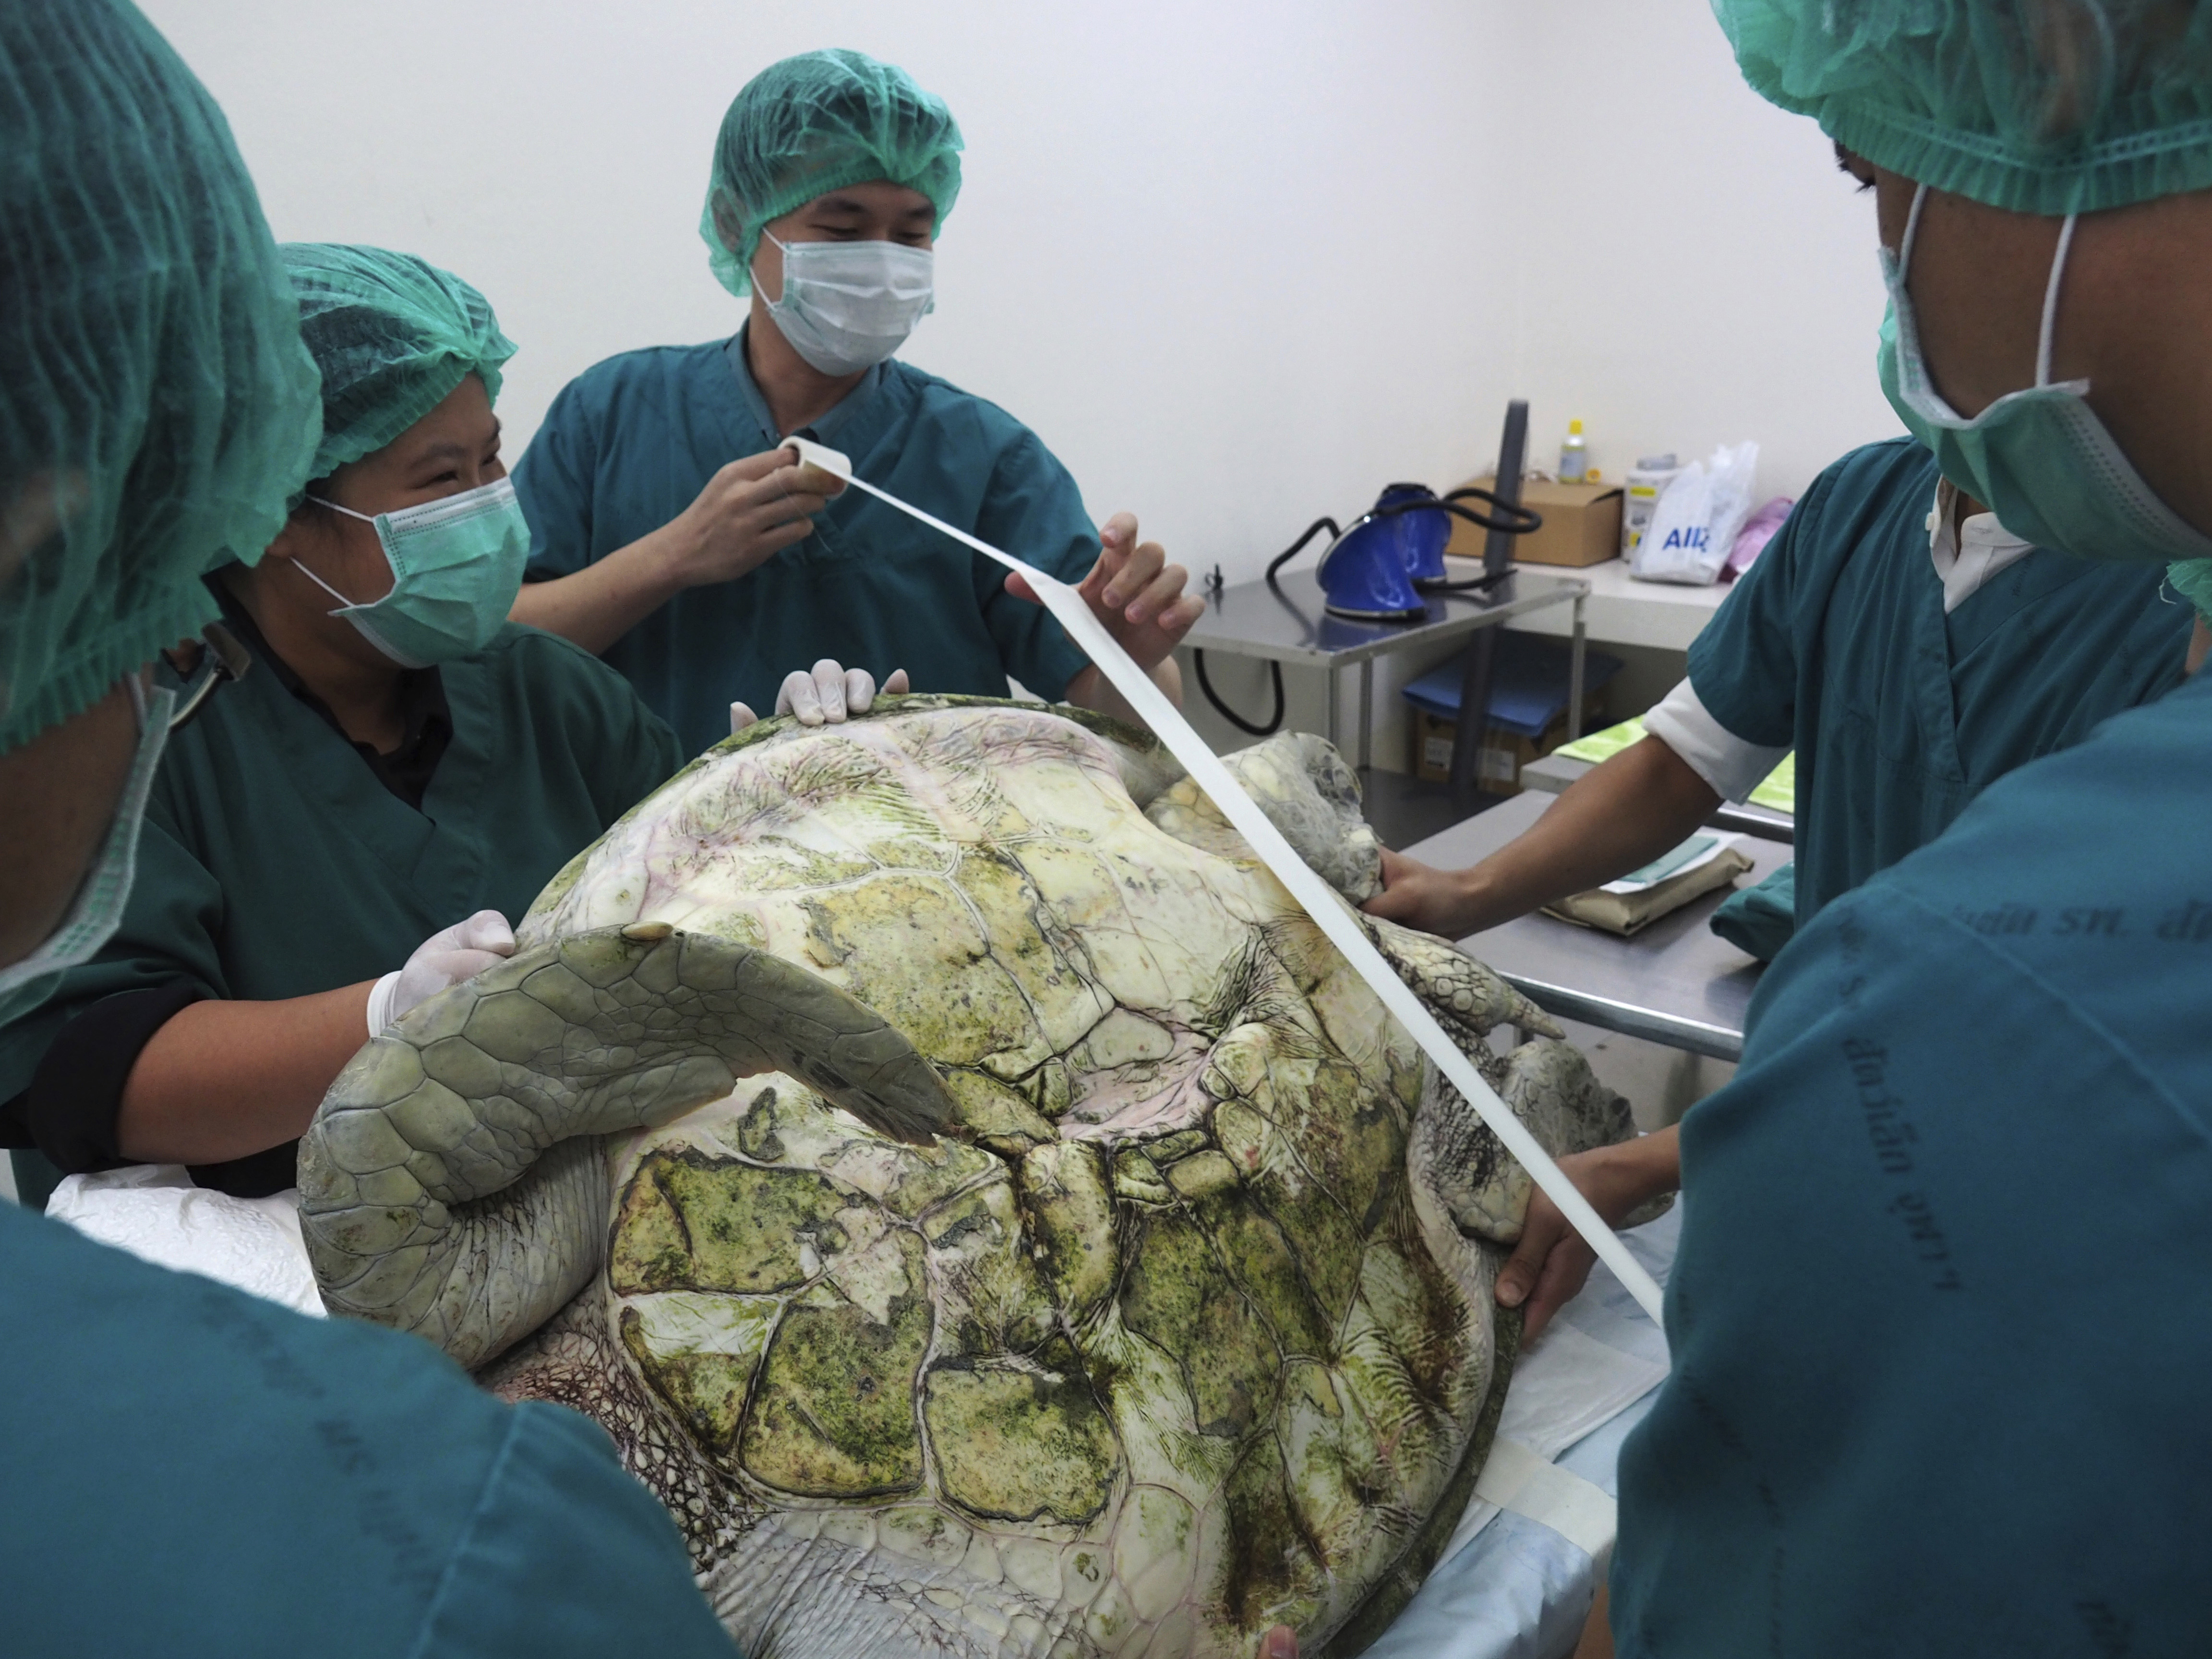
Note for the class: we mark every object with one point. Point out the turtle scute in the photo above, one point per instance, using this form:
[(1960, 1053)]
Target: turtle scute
[(1185, 1329)]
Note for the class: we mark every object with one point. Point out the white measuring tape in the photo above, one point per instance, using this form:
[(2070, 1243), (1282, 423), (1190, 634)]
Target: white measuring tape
[(1315, 897)]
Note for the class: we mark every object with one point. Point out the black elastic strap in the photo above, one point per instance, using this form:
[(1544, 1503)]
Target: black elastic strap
[(69, 1111)]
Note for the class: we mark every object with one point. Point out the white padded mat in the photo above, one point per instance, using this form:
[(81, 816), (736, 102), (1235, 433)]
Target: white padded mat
[(155, 1211)]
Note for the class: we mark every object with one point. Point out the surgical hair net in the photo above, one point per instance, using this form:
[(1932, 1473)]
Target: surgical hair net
[(392, 335), (814, 124), (156, 407), (2192, 580), (2047, 106)]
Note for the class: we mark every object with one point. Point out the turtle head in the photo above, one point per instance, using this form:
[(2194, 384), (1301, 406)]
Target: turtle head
[(451, 1184)]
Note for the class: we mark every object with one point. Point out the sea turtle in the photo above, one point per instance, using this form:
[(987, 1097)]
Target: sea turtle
[(1185, 1326)]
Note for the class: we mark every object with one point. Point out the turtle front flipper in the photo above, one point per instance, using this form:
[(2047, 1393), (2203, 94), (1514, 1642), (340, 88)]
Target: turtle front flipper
[(404, 1175), (1468, 996), (1307, 791)]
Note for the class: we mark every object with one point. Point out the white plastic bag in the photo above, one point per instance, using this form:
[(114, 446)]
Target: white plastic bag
[(1693, 528)]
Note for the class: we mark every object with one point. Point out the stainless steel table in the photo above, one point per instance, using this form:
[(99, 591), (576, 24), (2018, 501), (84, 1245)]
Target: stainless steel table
[(1287, 623), (1553, 773), (1676, 982)]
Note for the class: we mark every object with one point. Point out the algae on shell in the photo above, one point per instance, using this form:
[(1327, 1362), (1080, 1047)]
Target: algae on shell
[(1186, 1330)]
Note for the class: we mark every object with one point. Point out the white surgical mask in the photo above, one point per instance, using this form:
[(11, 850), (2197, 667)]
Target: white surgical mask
[(97, 910), (847, 306)]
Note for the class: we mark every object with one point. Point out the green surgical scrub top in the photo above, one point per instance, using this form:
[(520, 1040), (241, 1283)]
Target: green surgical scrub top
[(629, 443), (190, 1470), (1940, 1345), (274, 864), (1836, 643)]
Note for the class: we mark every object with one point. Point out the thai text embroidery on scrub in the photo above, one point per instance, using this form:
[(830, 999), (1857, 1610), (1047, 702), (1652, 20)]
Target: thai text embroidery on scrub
[(2006, 919), (1893, 1138), (2083, 920), (2190, 925), (1892, 1135), (2009, 920), (2187, 923)]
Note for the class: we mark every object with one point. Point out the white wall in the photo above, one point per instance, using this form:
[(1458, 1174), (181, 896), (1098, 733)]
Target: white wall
[(1696, 270), (1238, 263), (1171, 210)]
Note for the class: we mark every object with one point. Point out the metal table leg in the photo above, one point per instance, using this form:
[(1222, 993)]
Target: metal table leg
[(1575, 676), (1366, 712), (1335, 742), (1473, 705)]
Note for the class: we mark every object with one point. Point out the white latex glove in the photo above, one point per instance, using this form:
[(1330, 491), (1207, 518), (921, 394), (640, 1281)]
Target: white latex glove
[(822, 696), (446, 958)]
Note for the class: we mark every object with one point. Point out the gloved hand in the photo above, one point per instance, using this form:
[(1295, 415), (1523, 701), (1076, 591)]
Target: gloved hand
[(825, 695), (446, 958)]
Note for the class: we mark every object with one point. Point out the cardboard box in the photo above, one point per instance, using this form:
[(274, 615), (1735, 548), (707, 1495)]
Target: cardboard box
[(1528, 714), (1498, 763), (1582, 525)]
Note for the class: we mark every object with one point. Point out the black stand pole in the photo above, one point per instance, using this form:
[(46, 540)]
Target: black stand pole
[(1482, 655)]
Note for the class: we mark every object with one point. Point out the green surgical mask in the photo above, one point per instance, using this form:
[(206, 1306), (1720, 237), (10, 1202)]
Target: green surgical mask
[(456, 567), (2038, 458), (97, 910)]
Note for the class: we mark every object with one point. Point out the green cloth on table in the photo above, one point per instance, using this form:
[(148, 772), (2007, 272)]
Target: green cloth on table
[(1667, 863), (1836, 644), (629, 443), (1598, 746), (1939, 1347), (274, 864), (1777, 790), (1759, 919), (1777, 793), (194, 1471)]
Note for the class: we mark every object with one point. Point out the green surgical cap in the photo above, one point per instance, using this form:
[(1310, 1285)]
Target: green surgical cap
[(814, 124), (155, 406), (2192, 580), (2047, 106), (392, 335)]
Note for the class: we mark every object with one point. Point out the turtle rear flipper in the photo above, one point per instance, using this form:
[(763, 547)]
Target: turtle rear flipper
[(1550, 1088), (1545, 1082)]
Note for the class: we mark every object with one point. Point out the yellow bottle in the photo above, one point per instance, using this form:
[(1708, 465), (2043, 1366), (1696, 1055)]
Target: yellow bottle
[(1574, 455)]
